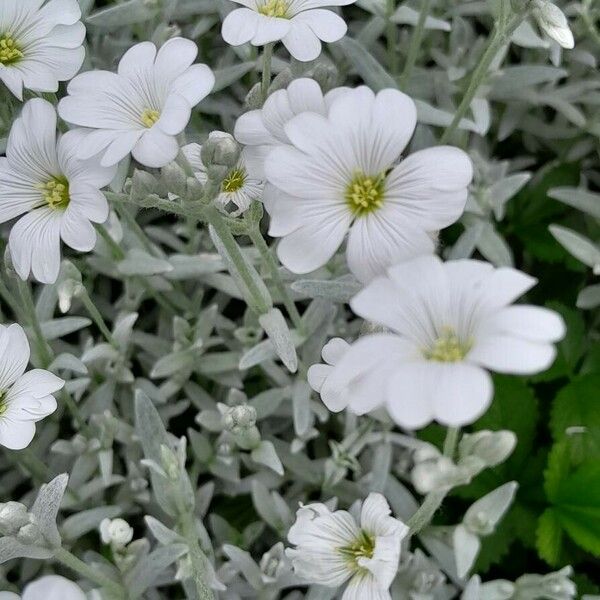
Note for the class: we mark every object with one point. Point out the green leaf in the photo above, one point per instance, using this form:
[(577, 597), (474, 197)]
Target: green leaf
[(575, 413), (549, 537)]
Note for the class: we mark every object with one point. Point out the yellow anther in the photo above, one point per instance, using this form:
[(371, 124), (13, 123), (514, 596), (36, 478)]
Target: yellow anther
[(448, 347), (365, 193), (56, 193), (274, 8), (234, 181), (9, 51), (149, 117)]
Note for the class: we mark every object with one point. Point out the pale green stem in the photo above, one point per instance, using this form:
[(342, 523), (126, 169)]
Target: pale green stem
[(267, 255), (266, 70), (501, 35), (392, 37), (415, 44), (434, 500), (589, 22), (78, 566), (43, 350), (98, 319)]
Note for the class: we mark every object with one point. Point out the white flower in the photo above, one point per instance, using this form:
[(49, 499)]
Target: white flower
[(263, 129), (60, 194), (331, 548), (449, 322), (240, 187), (40, 45), (116, 532), (25, 397), (141, 108), (553, 23), (341, 173), (53, 587), (300, 24), (332, 353)]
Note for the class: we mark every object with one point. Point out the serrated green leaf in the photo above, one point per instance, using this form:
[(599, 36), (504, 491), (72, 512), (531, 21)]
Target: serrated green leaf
[(549, 537)]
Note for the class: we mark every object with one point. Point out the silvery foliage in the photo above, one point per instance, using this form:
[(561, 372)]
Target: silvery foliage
[(164, 287)]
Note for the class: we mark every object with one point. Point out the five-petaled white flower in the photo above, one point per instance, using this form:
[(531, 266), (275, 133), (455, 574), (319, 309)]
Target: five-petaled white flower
[(25, 397), (448, 322), (43, 177), (263, 129), (332, 548), (341, 173), (300, 24), (141, 108), (40, 45), (240, 187)]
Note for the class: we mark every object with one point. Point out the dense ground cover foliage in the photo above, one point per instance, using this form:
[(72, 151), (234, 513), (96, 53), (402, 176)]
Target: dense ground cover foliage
[(299, 299)]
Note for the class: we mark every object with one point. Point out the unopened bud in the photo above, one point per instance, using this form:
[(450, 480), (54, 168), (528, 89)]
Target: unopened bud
[(239, 417), (491, 447), (169, 463), (220, 153), (13, 516), (30, 534), (116, 532), (553, 23)]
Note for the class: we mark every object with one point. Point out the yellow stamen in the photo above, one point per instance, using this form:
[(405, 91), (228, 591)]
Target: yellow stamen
[(362, 547), (56, 193), (365, 193), (9, 51), (448, 347), (150, 117), (234, 181), (274, 8)]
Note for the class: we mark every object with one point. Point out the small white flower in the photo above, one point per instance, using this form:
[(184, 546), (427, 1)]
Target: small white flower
[(53, 587), (240, 187), (141, 108), (263, 129), (40, 45), (60, 194), (449, 323), (341, 174), (553, 23), (25, 397), (300, 24), (331, 548), (116, 532)]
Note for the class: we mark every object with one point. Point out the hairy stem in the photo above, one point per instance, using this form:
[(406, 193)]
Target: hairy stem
[(266, 70), (392, 37), (43, 350), (98, 319), (415, 44)]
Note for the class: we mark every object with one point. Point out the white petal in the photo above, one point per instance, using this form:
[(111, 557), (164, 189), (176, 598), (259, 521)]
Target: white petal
[(175, 115), (504, 286), (123, 143), (14, 354), (301, 42), (240, 26), (382, 239), (316, 376), (136, 59), (53, 587), (16, 435), (359, 379), (508, 354), (326, 25), (374, 513), (155, 149), (36, 383), (34, 244), (250, 130), (364, 587), (466, 548), (334, 350), (531, 323), (430, 186), (175, 57), (270, 29), (13, 80), (76, 230), (195, 84)]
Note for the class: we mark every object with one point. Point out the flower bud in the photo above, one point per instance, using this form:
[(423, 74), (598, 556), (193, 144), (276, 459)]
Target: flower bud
[(239, 417), (437, 474), (553, 23), (116, 532), (13, 516), (554, 586), (491, 447), (169, 463), (30, 534), (220, 153)]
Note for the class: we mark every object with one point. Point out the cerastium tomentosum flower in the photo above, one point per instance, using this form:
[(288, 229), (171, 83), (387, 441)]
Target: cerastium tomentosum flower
[(300, 24), (141, 108), (60, 195), (448, 324), (25, 397), (41, 43), (342, 173), (331, 547)]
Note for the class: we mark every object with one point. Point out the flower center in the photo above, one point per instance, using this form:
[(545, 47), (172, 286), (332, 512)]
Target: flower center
[(150, 117), (234, 181), (362, 547), (9, 50), (56, 193), (3, 403), (274, 8), (448, 347), (365, 193)]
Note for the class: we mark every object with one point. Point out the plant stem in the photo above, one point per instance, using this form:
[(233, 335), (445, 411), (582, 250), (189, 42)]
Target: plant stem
[(78, 566), (501, 35), (44, 351), (98, 319), (267, 255), (434, 499), (266, 70), (415, 44), (215, 219), (392, 38)]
